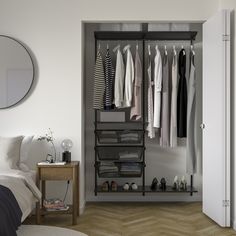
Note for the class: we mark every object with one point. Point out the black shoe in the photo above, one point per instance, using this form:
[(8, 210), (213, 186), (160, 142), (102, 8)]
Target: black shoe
[(105, 186), (163, 184), (154, 184)]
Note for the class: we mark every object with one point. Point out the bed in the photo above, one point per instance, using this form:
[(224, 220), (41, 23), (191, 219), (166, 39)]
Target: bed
[(18, 191), (25, 192)]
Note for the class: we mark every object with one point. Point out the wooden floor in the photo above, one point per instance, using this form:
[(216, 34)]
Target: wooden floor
[(141, 219)]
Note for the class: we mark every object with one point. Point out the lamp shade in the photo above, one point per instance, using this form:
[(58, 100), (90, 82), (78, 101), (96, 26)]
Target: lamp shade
[(66, 144)]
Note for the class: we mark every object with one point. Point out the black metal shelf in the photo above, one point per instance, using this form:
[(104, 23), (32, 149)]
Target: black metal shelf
[(120, 126), (112, 129), (138, 146), (150, 35), (147, 189), (121, 190), (121, 123), (169, 189), (127, 129), (120, 145), (143, 37), (119, 35), (128, 122), (119, 175), (120, 161), (170, 35)]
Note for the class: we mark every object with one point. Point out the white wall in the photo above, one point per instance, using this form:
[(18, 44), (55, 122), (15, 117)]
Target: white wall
[(52, 30)]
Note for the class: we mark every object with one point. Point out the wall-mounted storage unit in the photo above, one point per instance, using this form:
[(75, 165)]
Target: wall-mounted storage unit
[(109, 146)]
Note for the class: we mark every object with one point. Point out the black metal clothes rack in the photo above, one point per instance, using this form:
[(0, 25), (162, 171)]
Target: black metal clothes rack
[(137, 126)]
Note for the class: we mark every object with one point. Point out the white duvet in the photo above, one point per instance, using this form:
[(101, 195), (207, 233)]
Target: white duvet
[(23, 187)]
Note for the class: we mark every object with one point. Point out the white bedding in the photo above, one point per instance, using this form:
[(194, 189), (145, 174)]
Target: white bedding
[(23, 187), (32, 174)]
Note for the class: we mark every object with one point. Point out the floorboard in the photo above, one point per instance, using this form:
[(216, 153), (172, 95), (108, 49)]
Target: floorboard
[(141, 219)]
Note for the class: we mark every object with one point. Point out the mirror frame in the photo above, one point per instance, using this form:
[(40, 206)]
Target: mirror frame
[(33, 67)]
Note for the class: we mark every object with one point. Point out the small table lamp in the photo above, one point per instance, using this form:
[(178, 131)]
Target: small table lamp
[(66, 145)]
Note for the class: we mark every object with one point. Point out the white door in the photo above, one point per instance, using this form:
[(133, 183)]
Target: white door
[(216, 118)]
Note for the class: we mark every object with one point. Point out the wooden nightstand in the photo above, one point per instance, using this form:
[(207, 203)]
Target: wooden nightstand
[(69, 171)]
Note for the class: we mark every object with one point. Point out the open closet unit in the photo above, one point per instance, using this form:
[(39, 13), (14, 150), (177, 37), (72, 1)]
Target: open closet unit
[(112, 150), (212, 179)]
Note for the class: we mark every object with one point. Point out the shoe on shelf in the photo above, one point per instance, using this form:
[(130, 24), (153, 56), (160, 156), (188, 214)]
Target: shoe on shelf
[(114, 186), (183, 183), (105, 186), (126, 186), (163, 184), (134, 186), (176, 183), (154, 184)]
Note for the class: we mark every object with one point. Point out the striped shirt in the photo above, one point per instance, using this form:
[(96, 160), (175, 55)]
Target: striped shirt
[(109, 82), (99, 83)]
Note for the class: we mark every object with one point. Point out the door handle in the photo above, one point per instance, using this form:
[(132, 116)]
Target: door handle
[(202, 126)]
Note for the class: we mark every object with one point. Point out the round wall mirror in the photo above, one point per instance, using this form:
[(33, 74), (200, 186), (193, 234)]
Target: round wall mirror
[(16, 72)]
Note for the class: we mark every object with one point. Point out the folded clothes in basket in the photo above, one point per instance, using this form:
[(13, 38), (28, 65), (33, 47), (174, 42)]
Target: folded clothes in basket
[(108, 156), (128, 155), (108, 140), (130, 168), (107, 167), (129, 137), (108, 137), (129, 140)]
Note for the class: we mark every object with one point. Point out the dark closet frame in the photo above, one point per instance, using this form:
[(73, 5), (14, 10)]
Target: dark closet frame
[(143, 36)]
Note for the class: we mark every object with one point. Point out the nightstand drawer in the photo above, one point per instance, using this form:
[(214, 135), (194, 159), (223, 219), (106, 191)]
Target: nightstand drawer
[(54, 173)]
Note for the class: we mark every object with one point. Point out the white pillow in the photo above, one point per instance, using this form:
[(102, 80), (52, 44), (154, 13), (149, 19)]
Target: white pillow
[(24, 167), (10, 152), (24, 153), (25, 147)]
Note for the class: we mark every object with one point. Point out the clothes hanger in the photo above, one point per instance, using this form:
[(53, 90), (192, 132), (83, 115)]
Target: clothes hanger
[(192, 50), (137, 45), (116, 48), (174, 50), (182, 47), (149, 49), (156, 47), (165, 50), (126, 47)]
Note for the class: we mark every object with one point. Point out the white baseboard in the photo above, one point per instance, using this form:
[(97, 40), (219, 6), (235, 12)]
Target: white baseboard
[(81, 209), (233, 224)]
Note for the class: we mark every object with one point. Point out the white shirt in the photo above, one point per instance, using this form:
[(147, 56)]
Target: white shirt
[(150, 128), (136, 109), (119, 79), (157, 89), (129, 77), (174, 92)]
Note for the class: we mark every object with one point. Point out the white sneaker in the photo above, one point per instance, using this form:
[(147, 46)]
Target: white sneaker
[(126, 186), (134, 186)]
